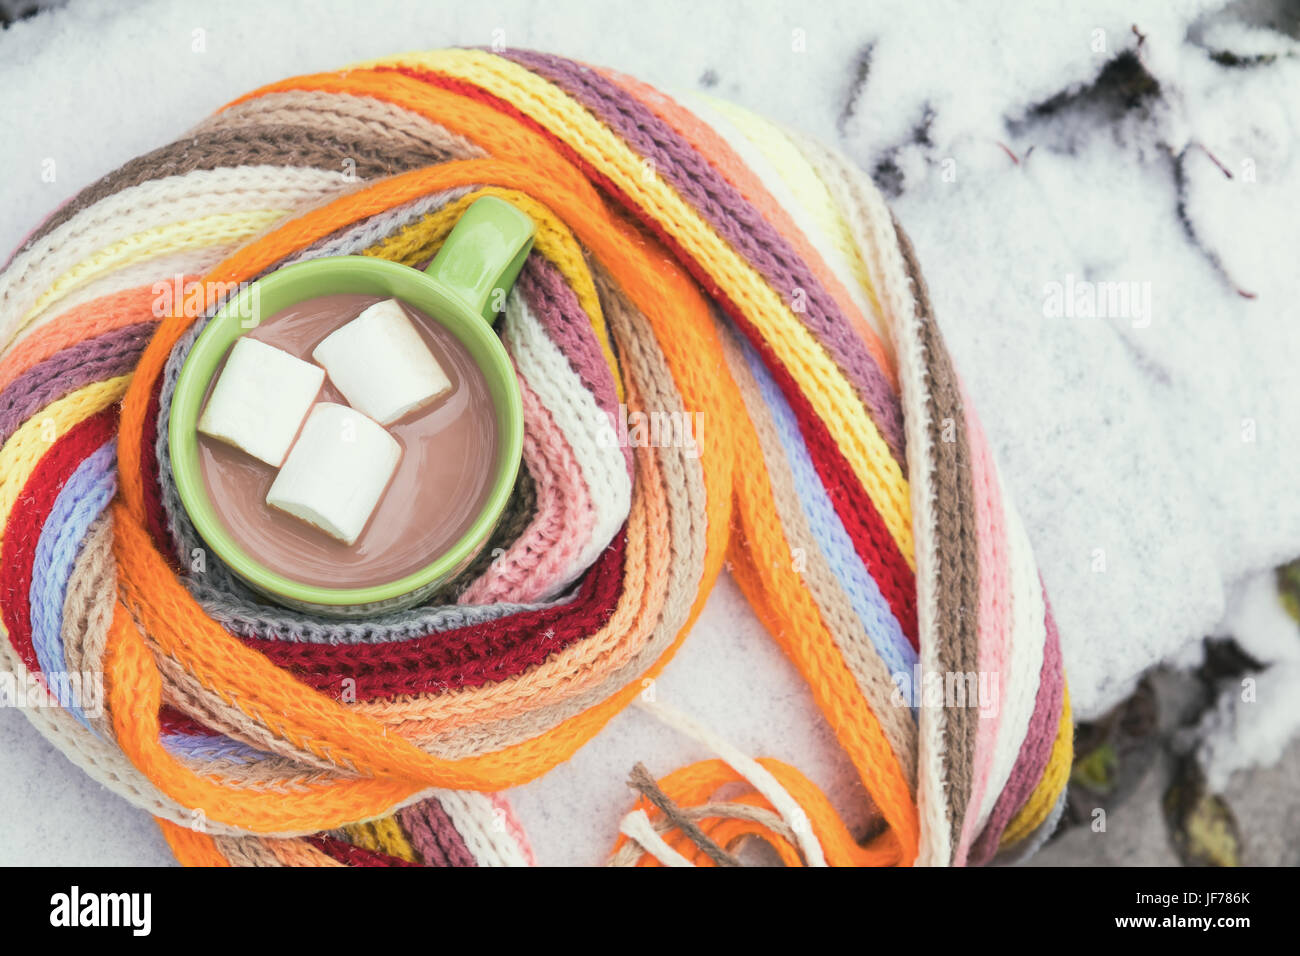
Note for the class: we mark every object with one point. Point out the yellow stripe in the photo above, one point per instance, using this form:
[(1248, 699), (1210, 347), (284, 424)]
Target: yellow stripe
[(219, 229), (827, 390), (802, 180), (25, 447), (383, 836), (554, 241), (1043, 799)]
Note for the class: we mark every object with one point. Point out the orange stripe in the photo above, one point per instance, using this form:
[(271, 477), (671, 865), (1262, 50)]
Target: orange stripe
[(760, 562), (85, 321)]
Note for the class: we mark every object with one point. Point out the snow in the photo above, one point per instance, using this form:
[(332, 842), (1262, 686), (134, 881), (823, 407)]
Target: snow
[(1256, 716), (1025, 149), (1147, 453)]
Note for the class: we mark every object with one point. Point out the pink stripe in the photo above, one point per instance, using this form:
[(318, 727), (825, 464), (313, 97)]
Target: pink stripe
[(994, 610), (562, 525), (1034, 752), (514, 827), (557, 309)]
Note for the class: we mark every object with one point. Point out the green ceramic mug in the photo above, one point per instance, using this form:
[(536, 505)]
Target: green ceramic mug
[(461, 289)]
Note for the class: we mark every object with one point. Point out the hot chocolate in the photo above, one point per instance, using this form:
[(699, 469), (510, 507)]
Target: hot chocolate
[(441, 482)]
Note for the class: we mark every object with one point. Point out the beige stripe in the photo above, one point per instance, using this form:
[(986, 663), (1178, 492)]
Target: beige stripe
[(869, 670), (88, 609), (344, 115), (246, 851)]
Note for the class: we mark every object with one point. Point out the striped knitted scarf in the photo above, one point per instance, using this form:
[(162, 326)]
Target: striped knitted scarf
[(696, 269)]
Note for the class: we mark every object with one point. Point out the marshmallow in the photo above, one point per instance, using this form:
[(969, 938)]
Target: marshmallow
[(260, 400), (336, 472), (381, 364)]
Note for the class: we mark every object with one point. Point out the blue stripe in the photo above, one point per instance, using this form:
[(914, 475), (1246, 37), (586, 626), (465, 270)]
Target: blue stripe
[(82, 499), (870, 606)]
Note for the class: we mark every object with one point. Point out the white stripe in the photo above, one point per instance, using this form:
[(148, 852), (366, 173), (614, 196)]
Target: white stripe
[(190, 262), (583, 422), (151, 204), (483, 827), (637, 826)]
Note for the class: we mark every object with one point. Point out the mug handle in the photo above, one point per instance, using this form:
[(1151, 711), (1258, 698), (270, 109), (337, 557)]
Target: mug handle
[(482, 255)]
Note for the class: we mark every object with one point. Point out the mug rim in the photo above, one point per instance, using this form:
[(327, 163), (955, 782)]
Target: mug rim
[(215, 341)]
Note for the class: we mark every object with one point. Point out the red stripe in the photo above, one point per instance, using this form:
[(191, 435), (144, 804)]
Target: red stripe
[(173, 721), (463, 657), (23, 529), (871, 538), (354, 855)]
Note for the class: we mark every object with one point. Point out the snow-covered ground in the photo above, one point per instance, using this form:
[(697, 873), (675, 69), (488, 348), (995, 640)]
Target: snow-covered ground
[(1104, 198)]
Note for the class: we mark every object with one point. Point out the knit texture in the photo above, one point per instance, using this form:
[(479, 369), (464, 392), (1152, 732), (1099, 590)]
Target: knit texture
[(727, 357)]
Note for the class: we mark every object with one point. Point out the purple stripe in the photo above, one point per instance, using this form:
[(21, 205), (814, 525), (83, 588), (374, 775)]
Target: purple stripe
[(92, 360), (1034, 752), (433, 836), (736, 221), (569, 327)]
